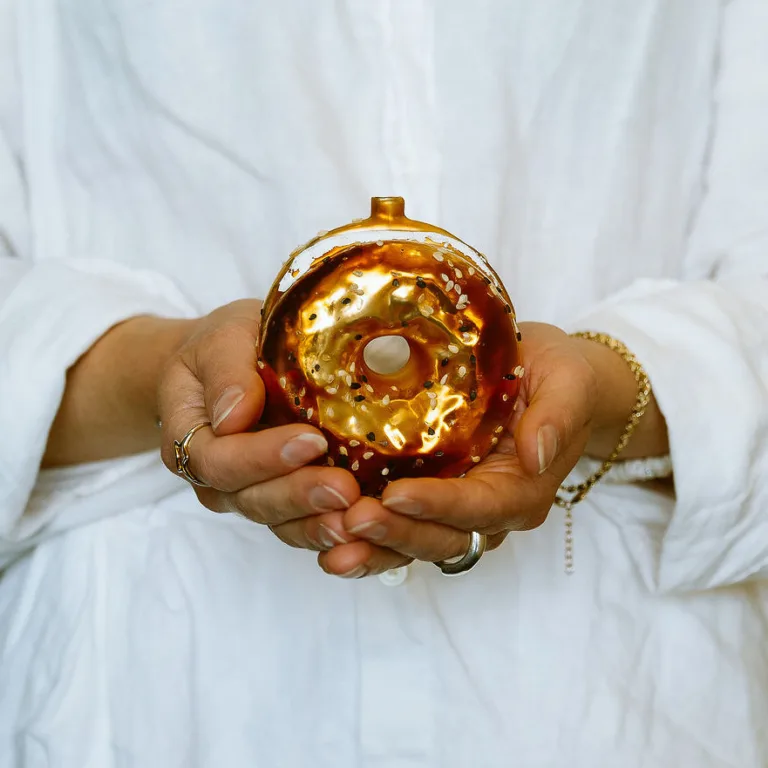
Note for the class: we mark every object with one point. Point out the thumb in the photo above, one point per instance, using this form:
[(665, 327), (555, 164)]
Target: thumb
[(225, 363), (555, 422)]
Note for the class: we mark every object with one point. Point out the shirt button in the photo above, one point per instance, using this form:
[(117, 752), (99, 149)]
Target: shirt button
[(395, 577)]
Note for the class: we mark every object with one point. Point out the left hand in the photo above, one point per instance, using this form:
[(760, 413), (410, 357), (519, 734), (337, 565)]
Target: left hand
[(513, 489)]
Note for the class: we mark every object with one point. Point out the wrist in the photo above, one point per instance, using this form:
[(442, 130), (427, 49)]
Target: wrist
[(617, 393)]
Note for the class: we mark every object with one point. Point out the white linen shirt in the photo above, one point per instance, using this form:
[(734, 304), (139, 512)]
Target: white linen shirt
[(610, 158)]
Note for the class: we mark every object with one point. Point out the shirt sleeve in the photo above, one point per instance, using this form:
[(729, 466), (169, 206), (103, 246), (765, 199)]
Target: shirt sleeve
[(50, 314), (704, 341)]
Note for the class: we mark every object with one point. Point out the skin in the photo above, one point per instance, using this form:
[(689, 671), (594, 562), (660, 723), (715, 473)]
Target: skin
[(576, 398)]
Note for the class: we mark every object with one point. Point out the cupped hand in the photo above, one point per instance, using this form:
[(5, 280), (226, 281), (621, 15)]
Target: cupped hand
[(512, 489), (263, 475)]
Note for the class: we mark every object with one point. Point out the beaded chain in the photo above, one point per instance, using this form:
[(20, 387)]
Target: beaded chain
[(577, 493)]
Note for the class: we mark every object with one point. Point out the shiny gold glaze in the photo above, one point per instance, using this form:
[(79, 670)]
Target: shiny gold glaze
[(441, 412)]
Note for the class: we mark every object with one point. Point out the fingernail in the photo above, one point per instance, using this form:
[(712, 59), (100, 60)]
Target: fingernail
[(226, 403), (403, 505), (370, 530), (326, 499), (355, 573), (329, 538), (303, 448), (547, 444)]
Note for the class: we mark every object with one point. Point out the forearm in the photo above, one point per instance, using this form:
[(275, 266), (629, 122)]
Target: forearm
[(617, 393), (109, 404)]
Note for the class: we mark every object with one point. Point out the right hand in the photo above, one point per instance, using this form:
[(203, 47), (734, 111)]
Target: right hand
[(262, 475)]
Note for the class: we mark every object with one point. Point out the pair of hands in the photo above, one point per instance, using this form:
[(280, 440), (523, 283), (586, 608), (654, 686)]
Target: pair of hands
[(265, 475)]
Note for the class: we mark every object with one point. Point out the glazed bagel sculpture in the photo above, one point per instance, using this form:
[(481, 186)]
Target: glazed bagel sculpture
[(398, 341)]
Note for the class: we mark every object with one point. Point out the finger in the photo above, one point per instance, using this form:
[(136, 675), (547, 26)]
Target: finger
[(305, 492), (224, 360), (319, 532), (417, 539), (234, 462), (488, 500), (560, 407), (358, 559)]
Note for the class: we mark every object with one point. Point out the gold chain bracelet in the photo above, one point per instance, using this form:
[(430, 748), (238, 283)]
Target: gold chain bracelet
[(576, 493)]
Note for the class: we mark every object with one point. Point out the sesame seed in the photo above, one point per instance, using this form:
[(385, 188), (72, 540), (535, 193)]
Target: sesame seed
[(453, 348), (463, 299), (379, 243), (368, 388), (444, 379), (352, 367), (291, 357), (432, 395), (426, 311), (282, 382), (364, 379), (438, 257), (419, 462), (464, 328), (505, 397), (303, 413), (445, 277), (330, 412), (462, 371), (427, 384), (510, 376), (394, 388), (358, 291), (522, 373), (508, 309), (433, 404), (355, 466), (383, 443), (449, 285), (385, 471), (296, 401), (348, 380), (355, 385), (260, 364), (476, 459), (472, 359), (471, 271), (325, 358), (368, 455), (371, 436), (358, 273), (358, 337), (430, 431), (303, 392), (422, 298), (354, 443), (494, 440), (359, 398), (329, 377), (346, 300), (310, 411), (313, 316), (467, 338), (519, 336), (473, 395), (317, 367), (331, 462), (458, 274), (343, 450), (439, 454), (444, 362), (331, 390), (395, 282), (385, 400), (499, 429), (364, 408), (420, 282)]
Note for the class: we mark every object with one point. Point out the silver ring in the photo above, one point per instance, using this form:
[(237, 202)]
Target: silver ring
[(477, 545), (181, 450)]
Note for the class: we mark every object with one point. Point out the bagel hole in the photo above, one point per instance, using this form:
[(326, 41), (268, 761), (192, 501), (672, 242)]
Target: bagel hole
[(386, 355)]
